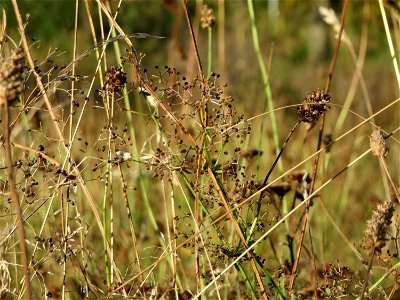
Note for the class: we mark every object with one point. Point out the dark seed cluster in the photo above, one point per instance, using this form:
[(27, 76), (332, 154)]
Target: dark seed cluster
[(313, 106), (115, 80)]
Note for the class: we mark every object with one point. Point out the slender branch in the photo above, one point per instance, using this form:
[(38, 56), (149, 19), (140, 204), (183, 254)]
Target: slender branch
[(367, 276), (193, 41)]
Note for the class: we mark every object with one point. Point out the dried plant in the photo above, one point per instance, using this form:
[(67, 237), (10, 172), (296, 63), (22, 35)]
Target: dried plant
[(176, 170), (115, 80), (378, 144), (207, 19), (11, 76), (313, 106), (375, 234)]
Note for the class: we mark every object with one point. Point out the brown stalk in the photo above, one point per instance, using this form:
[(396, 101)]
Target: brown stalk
[(14, 197), (199, 66), (191, 52), (274, 164), (316, 161), (365, 283), (130, 218), (197, 212)]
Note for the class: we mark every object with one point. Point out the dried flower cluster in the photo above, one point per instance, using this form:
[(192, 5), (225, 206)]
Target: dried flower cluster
[(377, 227), (207, 17), (11, 76), (378, 144), (313, 106), (115, 80), (193, 96)]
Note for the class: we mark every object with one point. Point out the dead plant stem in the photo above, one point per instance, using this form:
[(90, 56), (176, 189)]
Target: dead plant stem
[(365, 283)]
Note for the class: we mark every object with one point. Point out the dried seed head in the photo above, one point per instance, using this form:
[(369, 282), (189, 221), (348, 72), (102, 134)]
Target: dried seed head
[(378, 144), (377, 227), (11, 76), (207, 17), (115, 80), (314, 106)]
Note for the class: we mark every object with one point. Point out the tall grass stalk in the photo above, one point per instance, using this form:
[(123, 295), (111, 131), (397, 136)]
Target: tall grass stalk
[(14, 197), (266, 81), (390, 43)]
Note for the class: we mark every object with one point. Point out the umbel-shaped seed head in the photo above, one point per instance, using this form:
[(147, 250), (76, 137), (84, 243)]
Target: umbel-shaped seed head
[(313, 106), (11, 76)]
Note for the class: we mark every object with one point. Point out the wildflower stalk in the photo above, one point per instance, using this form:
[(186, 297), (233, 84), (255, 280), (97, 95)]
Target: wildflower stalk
[(105, 233), (108, 191), (209, 52), (274, 164)]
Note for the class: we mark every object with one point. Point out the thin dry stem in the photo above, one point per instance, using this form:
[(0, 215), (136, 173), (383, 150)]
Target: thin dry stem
[(14, 198)]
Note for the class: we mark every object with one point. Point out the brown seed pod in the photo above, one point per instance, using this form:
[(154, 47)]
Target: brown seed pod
[(378, 144), (313, 106)]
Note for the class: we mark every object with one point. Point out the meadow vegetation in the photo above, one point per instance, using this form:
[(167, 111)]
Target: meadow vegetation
[(199, 150)]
